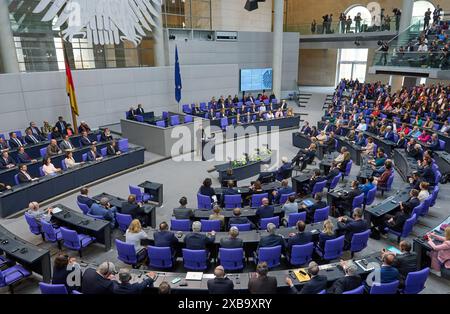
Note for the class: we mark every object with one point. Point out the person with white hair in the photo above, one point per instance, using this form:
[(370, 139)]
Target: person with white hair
[(100, 280), (316, 284), (389, 134), (232, 242), (272, 239), (125, 287), (198, 241), (265, 210), (285, 169), (220, 284), (37, 213), (351, 280)]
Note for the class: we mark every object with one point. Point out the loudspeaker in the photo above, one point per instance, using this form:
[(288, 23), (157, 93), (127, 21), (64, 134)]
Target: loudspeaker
[(251, 5)]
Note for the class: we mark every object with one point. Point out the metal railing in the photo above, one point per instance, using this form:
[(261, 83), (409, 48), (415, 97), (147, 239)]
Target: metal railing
[(416, 59), (336, 27)]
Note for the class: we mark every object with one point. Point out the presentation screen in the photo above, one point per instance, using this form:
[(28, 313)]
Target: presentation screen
[(256, 79)]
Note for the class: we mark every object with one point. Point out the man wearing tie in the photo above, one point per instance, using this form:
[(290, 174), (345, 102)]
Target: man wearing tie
[(6, 161), (140, 110), (30, 138), (65, 144), (85, 141), (61, 125), (93, 155), (3, 144), (23, 175), (36, 132), (14, 142)]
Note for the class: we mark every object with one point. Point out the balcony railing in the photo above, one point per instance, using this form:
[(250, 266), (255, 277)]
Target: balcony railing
[(417, 59), (339, 28)]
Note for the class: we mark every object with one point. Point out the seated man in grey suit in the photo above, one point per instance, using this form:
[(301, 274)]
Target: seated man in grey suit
[(66, 145), (183, 212), (272, 239), (233, 242)]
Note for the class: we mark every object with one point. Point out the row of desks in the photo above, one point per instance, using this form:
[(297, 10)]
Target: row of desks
[(18, 198)]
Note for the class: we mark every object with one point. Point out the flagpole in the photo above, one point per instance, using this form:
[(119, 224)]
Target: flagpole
[(74, 116)]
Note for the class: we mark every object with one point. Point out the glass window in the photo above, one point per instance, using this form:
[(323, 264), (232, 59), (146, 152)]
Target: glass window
[(352, 64)]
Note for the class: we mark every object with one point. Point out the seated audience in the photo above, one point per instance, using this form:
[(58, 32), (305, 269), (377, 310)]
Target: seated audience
[(112, 148), (272, 239), (232, 242), (48, 168), (37, 213), (217, 216), (327, 233), (99, 281), (24, 176), (66, 144), (299, 238), (136, 210), (124, 286), (261, 283), (196, 240), (164, 237), (310, 210), (53, 149), (349, 282), (6, 162), (220, 284), (182, 212), (63, 266), (83, 198), (104, 210), (22, 156), (440, 256), (316, 284), (236, 219), (349, 226), (265, 210)]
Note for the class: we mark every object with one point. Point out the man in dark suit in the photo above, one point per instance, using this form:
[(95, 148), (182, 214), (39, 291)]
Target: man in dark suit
[(93, 155), (394, 222), (36, 132), (183, 212), (3, 144), (99, 281), (6, 162), (85, 141), (112, 149), (351, 280), (83, 198), (299, 238), (22, 157), (389, 134), (260, 283), (406, 261), (196, 240), (412, 202), (65, 144), (30, 138), (125, 287), (106, 135), (316, 284), (345, 204), (305, 156), (266, 210), (220, 284), (334, 171), (283, 190), (236, 219), (131, 207), (23, 175), (164, 237), (61, 125), (139, 110), (131, 114), (310, 210), (14, 141), (427, 172), (348, 227), (232, 242), (305, 129), (285, 169), (272, 239), (229, 190), (316, 177)]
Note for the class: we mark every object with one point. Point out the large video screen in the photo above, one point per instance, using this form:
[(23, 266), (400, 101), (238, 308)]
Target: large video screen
[(256, 79)]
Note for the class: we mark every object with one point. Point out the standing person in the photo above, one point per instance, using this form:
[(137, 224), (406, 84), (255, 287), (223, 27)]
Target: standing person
[(324, 23), (398, 14), (342, 22), (313, 26), (348, 24), (437, 14), (358, 20), (329, 22), (426, 19)]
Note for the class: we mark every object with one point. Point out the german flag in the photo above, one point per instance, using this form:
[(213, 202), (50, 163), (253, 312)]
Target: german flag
[(70, 88)]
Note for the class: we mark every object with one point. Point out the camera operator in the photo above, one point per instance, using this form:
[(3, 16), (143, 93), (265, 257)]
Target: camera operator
[(398, 13), (384, 48)]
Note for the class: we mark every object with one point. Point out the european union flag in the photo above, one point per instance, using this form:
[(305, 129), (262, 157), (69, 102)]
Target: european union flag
[(178, 85)]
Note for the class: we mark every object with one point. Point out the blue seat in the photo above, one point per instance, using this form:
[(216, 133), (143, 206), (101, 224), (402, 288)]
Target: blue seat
[(256, 200), (419, 209), (51, 233), (388, 186), (165, 115), (11, 275), (407, 228), (83, 207), (441, 145), (270, 255), (370, 198), (359, 241), (204, 202), (358, 201), (122, 145), (333, 249), (438, 176), (41, 172), (415, 281), (16, 179), (322, 291), (348, 169), (123, 221), (180, 225), (84, 157), (242, 227), (426, 205), (160, 257), (295, 217), (74, 241), (127, 253), (139, 118), (210, 225), (384, 288), (233, 201), (141, 197), (359, 290), (335, 181), (195, 259), (103, 151), (34, 227), (47, 288), (174, 120), (224, 123), (301, 254), (321, 214), (43, 152), (265, 221), (231, 259), (188, 119), (186, 108), (284, 197), (63, 165), (161, 124), (434, 195), (318, 187)]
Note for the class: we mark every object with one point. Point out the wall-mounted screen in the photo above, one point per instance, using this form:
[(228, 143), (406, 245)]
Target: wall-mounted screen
[(256, 79)]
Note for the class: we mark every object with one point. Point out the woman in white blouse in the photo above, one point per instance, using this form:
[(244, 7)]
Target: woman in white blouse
[(368, 149), (134, 235), (70, 161), (423, 194), (48, 168)]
